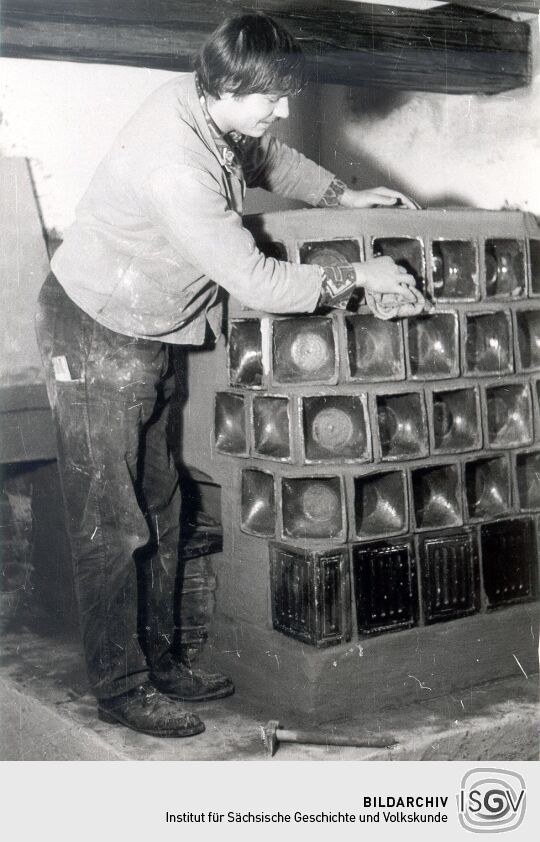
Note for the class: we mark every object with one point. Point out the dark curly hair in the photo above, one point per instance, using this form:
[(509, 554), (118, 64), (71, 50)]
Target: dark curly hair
[(250, 54)]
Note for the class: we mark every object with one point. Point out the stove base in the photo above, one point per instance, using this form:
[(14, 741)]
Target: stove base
[(281, 675)]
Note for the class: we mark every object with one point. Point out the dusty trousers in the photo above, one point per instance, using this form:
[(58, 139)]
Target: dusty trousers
[(110, 397)]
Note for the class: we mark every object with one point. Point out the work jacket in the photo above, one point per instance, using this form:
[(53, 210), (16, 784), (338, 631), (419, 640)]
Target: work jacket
[(160, 229)]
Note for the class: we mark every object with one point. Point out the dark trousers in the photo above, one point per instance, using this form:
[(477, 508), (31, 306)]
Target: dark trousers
[(120, 487)]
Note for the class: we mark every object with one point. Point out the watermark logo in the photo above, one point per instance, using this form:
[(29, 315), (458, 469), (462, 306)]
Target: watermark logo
[(491, 800)]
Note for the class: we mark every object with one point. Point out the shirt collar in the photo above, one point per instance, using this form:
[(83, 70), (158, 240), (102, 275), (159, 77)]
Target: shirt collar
[(228, 145)]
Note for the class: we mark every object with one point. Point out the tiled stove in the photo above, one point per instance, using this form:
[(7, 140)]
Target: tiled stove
[(381, 476)]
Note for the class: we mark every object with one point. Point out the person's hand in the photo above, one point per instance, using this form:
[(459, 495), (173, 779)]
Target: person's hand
[(377, 197), (382, 275)]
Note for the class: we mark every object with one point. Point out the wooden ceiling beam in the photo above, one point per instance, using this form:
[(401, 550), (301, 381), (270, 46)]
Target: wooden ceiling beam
[(451, 48)]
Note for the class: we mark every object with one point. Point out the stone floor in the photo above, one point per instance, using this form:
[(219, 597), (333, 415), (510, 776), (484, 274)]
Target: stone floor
[(47, 713)]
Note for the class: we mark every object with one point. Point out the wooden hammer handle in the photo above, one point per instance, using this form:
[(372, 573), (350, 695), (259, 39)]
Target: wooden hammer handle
[(313, 738)]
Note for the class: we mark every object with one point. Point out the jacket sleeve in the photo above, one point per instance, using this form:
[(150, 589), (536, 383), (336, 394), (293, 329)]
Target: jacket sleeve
[(189, 210), (273, 165)]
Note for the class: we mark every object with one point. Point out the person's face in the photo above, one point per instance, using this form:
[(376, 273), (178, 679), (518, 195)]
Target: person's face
[(253, 114)]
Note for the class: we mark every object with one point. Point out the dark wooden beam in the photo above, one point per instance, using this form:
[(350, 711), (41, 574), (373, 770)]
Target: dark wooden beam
[(452, 48)]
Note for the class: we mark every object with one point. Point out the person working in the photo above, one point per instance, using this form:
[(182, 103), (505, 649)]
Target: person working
[(158, 239)]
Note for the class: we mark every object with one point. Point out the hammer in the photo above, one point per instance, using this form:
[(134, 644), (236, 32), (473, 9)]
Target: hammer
[(273, 734)]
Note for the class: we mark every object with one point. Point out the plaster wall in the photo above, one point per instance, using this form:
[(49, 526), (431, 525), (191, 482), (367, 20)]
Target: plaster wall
[(445, 150), (62, 116)]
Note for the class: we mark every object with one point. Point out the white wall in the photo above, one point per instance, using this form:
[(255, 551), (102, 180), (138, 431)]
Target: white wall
[(480, 151), (63, 117)]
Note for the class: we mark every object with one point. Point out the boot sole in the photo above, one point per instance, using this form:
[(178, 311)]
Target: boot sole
[(110, 719)]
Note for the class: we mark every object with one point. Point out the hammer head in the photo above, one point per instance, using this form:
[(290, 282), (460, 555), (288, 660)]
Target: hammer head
[(269, 735)]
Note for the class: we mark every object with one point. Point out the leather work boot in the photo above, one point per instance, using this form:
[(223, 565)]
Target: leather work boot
[(180, 682), (147, 710)]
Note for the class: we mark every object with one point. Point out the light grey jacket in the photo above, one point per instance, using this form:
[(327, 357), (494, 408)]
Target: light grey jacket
[(160, 227)]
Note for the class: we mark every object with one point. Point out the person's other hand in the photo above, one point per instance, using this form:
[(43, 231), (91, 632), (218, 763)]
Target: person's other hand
[(382, 275), (377, 197)]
